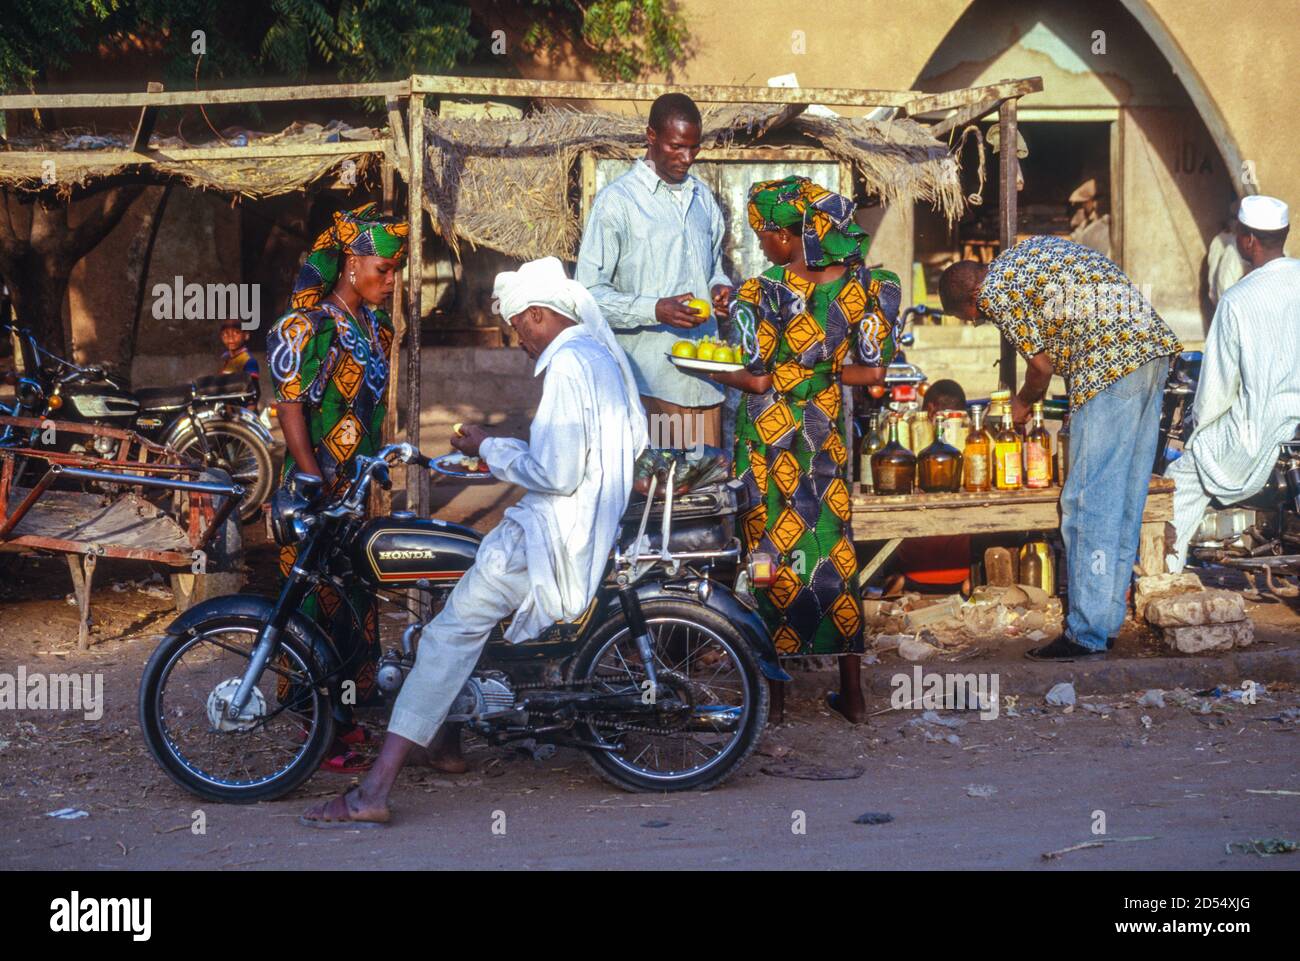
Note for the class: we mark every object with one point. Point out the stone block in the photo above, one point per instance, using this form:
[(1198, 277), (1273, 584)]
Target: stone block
[(1196, 609), (1148, 589), (1210, 637)]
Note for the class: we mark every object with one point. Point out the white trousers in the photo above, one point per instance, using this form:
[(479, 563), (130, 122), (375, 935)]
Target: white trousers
[(1190, 501), (450, 645)]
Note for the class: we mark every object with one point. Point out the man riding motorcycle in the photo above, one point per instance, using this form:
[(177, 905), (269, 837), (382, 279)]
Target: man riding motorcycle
[(547, 558)]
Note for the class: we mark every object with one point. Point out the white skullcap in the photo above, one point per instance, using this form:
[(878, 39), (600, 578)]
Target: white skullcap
[(543, 283), (1263, 213)]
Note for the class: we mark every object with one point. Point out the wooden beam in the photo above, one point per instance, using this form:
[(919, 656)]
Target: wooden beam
[(329, 91), (396, 130), (1010, 168), (148, 117), (949, 99), (703, 93), (963, 116), (118, 158)]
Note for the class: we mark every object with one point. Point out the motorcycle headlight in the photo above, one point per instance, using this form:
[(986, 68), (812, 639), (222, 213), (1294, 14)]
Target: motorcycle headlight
[(288, 503)]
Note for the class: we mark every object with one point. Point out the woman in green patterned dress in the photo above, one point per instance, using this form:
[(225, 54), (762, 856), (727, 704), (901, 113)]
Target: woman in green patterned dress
[(798, 321), (328, 359)]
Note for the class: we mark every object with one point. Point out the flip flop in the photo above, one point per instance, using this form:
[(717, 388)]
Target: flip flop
[(349, 762), (328, 823), (358, 735)]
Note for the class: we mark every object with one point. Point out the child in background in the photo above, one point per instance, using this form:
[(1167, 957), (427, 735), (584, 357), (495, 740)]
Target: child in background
[(928, 564), (236, 359)]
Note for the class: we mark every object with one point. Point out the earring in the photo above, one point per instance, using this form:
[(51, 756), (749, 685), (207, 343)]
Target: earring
[(352, 278)]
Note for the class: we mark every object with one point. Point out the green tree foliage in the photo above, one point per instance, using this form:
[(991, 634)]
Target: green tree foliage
[(357, 40)]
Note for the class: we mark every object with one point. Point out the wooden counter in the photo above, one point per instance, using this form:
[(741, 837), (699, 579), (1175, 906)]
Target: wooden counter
[(894, 518)]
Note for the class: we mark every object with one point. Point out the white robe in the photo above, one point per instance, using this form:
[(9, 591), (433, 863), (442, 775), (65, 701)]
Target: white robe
[(578, 468), (1248, 399)]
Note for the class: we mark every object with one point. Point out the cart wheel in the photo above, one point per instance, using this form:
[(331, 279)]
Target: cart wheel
[(223, 569)]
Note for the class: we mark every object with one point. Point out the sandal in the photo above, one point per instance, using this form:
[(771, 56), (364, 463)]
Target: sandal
[(325, 822), (349, 762)]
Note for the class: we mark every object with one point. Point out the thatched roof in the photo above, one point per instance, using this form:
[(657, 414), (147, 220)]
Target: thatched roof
[(84, 157), (507, 184)]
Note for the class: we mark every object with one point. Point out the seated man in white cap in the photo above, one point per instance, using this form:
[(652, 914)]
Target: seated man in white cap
[(1248, 399), (545, 560)]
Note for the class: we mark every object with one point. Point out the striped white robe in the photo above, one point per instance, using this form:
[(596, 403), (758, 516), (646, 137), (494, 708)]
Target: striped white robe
[(1248, 400)]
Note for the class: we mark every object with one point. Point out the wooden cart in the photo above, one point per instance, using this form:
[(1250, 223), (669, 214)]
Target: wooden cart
[(145, 503)]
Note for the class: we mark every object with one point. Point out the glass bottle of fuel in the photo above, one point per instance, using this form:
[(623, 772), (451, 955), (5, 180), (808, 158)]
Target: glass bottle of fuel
[(870, 444), (1007, 454), (977, 456), (893, 467), (1038, 451)]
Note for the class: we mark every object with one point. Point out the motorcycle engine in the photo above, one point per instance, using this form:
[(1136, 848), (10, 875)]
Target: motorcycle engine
[(483, 694)]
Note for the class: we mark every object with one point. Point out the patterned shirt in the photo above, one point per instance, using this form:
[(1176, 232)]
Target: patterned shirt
[(1050, 294)]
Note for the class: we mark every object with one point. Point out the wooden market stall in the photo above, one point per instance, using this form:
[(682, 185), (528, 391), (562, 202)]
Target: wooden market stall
[(405, 150)]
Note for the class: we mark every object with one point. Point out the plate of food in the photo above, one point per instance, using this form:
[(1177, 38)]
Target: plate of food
[(706, 355), (459, 465)]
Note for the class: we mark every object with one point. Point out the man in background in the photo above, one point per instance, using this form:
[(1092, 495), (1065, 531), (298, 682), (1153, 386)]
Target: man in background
[(652, 243), (1248, 398), (1225, 265), (1089, 226)]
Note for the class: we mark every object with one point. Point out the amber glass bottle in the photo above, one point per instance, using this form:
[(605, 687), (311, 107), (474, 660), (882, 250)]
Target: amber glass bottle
[(938, 467), (1038, 452), (893, 467), (1007, 456), (977, 457)]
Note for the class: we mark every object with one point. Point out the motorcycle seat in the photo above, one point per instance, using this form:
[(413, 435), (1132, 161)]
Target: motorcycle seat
[(212, 387), (163, 398), (224, 385)]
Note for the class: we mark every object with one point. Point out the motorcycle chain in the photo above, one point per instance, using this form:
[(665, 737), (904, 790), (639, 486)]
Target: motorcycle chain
[(595, 720)]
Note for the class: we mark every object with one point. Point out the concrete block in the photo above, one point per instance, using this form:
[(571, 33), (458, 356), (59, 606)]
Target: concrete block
[(1196, 609), (1210, 637), (1163, 585)]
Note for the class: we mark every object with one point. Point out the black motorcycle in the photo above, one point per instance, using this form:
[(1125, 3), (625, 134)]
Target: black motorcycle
[(209, 419), (660, 681), (1261, 534)]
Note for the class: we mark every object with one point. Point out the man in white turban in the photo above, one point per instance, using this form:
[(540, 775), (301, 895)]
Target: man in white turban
[(545, 560), (1248, 398)]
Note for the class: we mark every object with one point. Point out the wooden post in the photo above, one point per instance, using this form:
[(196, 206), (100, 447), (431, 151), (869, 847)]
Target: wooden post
[(416, 486), (384, 499), (1009, 168)]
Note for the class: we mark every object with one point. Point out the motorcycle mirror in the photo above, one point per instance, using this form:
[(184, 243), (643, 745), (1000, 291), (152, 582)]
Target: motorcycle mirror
[(308, 485)]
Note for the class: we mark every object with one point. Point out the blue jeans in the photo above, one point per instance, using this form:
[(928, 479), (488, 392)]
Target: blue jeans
[(1112, 450)]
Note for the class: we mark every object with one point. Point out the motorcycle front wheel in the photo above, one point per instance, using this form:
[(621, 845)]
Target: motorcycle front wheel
[(273, 747), (239, 451), (702, 661)]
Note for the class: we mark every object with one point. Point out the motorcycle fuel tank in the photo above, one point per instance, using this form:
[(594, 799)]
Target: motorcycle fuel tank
[(402, 549), (101, 403)]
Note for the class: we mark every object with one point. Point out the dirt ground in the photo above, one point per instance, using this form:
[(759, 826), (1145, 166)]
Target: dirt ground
[(1175, 785)]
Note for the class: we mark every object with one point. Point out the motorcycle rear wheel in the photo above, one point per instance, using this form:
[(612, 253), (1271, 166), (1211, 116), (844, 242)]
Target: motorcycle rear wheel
[(241, 454), (693, 646)]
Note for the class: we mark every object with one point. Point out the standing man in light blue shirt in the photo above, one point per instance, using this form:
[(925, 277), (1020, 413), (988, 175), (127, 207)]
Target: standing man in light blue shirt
[(652, 243)]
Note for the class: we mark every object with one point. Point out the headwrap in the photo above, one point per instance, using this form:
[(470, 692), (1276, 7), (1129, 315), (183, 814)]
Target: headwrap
[(825, 219), (543, 283), (354, 232)]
